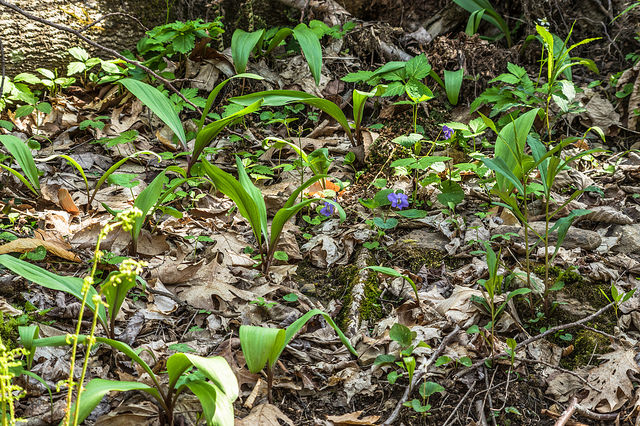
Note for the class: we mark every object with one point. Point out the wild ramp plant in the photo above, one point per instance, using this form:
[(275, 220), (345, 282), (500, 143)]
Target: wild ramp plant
[(157, 102), (251, 205), (262, 346), (513, 168), (213, 383)]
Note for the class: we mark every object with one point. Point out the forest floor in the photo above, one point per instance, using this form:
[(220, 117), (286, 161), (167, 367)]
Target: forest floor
[(201, 283)]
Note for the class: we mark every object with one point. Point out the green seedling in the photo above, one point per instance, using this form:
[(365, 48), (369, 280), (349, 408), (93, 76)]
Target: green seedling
[(617, 297), (262, 346), (493, 288), (251, 205)]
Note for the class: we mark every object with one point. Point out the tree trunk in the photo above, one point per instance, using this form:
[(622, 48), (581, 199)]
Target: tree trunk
[(29, 45)]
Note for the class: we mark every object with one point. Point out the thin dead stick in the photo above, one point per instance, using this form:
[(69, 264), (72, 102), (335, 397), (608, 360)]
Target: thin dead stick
[(86, 27), (99, 46), (2, 60), (464, 397), (566, 415), (532, 339), (419, 374)]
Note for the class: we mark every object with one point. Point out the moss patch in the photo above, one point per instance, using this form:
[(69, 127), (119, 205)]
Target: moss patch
[(586, 344)]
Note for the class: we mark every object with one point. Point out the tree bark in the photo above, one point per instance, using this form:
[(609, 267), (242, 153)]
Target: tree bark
[(29, 45)]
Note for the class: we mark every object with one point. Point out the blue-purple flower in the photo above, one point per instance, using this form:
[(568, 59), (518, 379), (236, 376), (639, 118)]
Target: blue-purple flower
[(447, 132), (327, 210), (398, 200)]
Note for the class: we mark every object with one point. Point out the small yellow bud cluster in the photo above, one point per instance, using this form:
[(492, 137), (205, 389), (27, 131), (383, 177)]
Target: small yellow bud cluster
[(8, 391), (126, 219)]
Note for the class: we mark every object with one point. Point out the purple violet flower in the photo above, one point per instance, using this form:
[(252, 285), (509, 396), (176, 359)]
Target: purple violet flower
[(327, 210), (398, 200), (447, 132)]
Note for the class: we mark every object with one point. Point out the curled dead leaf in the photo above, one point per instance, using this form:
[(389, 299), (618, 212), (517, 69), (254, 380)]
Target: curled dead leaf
[(23, 245)]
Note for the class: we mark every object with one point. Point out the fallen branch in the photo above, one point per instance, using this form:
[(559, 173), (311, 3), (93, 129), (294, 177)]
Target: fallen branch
[(82, 37), (566, 415), (532, 339), (419, 374)]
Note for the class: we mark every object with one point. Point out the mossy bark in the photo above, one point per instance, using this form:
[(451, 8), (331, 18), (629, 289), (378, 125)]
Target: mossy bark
[(29, 45)]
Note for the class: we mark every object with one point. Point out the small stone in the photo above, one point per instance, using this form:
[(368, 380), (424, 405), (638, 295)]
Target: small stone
[(575, 238), (308, 289), (421, 239)]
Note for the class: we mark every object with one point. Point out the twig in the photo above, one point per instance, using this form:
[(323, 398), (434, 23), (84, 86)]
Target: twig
[(532, 339), (86, 27), (99, 46), (566, 415), (419, 374), (482, 419), (2, 61), (473, 385), (595, 330)]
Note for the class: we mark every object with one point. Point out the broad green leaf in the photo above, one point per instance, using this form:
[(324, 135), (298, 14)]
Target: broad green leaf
[(402, 334), (452, 193), (261, 345), (284, 97), (242, 43), (311, 48), (214, 368), (452, 85), (359, 100), (474, 22), (500, 167), (145, 201), (429, 388), (68, 284), (214, 94), (490, 15), (115, 293), (510, 145), (96, 389), (393, 273), (230, 187), (209, 132), (256, 196), (277, 39), (216, 406), (297, 325), (23, 157), (159, 104)]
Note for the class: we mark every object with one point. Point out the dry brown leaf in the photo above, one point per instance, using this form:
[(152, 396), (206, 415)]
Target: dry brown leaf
[(353, 419), (264, 415), (23, 245), (66, 202), (612, 380), (7, 309), (606, 214)]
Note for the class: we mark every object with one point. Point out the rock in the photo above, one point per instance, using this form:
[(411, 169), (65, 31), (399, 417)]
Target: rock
[(575, 238), (629, 238), (421, 239)]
